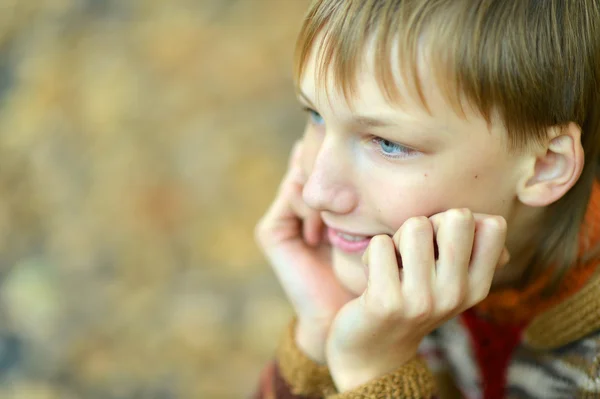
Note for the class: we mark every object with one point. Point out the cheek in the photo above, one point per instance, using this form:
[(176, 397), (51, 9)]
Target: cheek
[(393, 203), (350, 272), (405, 199), (479, 183), (485, 184)]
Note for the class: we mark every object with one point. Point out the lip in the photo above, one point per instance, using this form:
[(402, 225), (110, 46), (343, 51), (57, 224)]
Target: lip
[(345, 245)]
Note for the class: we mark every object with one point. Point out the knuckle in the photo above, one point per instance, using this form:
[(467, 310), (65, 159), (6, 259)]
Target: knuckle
[(263, 232), (396, 238), (259, 234), (497, 223), (417, 225), (480, 292), (384, 309), (379, 241), (453, 299), (421, 309), (436, 218), (462, 216), (382, 243), (259, 230)]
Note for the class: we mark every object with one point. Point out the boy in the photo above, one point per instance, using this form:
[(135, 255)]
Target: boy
[(436, 231)]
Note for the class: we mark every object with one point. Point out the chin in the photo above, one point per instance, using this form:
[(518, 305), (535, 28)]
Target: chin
[(349, 271)]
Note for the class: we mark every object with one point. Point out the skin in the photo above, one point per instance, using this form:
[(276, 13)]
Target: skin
[(414, 179)]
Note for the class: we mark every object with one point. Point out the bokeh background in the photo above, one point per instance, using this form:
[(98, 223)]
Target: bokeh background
[(140, 141)]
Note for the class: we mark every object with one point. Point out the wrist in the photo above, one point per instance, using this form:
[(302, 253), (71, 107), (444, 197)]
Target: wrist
[(411, 380), (350, 373), (311, 339), (345, 381)]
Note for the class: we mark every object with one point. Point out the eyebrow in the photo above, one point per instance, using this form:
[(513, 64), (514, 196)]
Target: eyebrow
[(365, 121)]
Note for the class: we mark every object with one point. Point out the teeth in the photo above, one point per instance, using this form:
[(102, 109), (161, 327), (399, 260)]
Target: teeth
[(349, 237)]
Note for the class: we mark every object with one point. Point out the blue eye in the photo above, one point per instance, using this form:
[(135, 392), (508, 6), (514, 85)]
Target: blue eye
[(315, 117), (391, 149), (388, 147)]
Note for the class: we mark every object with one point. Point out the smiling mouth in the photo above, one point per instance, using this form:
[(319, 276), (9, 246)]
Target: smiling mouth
[(351, 237), (347, 242)]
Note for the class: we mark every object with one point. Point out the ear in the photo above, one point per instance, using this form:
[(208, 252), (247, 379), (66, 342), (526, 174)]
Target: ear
[(554, 169)]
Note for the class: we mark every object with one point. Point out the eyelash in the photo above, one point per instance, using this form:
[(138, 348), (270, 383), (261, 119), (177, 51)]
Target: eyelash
[(311, 114), (406, 152)]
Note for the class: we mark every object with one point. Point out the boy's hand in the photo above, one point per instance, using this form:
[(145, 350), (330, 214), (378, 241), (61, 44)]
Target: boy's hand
[(291, 236), (381, 330)]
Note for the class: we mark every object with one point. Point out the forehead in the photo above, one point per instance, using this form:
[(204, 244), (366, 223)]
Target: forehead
[(418, 93)]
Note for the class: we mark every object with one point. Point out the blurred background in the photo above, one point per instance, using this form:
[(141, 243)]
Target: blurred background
[(140, 141)]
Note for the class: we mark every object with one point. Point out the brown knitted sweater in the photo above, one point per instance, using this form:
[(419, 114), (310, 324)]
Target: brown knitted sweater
[(558, 354)]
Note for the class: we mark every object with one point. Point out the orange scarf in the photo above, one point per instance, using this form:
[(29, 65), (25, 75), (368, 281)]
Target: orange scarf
[(521, 305)]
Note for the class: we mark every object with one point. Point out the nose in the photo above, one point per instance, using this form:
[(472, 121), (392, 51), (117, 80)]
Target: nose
[(329, 186)]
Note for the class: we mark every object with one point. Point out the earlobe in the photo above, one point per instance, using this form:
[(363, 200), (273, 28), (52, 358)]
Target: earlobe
[(555, 169)]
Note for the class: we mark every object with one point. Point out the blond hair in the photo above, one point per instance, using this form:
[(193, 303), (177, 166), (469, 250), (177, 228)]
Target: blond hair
[(533, 64)]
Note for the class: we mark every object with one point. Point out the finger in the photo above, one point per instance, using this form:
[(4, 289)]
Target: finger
[(488, 246), (296, 155), (297, 203), (287, 209), (416, 250), (504, 258), (454, 233), (384, 290), (290, 190), (436, 221), (324, 235), (282, 205), (312, 228), (365, 256)]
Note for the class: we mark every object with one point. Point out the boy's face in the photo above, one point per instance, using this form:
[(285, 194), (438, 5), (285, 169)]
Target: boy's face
[(369, 176)]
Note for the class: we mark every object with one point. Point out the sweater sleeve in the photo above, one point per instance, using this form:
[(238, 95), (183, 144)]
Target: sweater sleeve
[(414, 380), (293, 375)]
